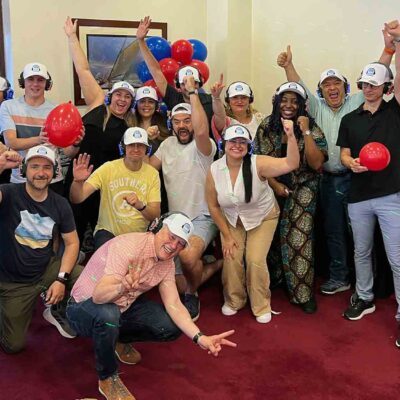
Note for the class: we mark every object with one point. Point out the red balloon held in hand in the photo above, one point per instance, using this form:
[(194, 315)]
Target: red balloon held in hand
[(182, 51), (375, 156), (63, 125)]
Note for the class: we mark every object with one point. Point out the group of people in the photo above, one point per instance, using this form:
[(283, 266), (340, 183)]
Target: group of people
[(224, 168)]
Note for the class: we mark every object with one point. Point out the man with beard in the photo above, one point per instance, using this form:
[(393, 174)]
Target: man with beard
[(185, 159), (31, 217), (328, 109)]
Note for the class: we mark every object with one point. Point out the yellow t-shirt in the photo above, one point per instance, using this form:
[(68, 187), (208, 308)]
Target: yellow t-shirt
[(115, 181)]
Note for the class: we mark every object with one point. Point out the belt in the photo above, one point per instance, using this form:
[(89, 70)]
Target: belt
[(337, 173)]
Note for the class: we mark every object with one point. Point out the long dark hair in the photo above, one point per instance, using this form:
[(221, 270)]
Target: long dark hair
[(275, 123), (247, 175), (156, 119)]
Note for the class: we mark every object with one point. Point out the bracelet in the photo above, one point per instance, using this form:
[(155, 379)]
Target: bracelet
[(197, 336), (193, 92), (389, 51), (61, 280), (141, 209)]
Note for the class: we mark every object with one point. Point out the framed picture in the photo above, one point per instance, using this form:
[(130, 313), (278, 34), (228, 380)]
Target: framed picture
[(112, 51)]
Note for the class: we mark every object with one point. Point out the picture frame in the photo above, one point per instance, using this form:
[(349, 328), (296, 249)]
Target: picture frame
[(112, 53)]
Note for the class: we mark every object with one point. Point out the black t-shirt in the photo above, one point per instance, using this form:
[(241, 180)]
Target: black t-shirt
[(173, 97), (27, 230), (361, 127)]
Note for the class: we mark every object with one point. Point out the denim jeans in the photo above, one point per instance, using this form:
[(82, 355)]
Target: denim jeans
[(334, 193), (102, 236), (144, 320), (363, 216)]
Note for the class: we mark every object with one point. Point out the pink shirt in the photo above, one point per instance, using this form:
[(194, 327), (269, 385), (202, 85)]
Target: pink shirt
[(115, 257)]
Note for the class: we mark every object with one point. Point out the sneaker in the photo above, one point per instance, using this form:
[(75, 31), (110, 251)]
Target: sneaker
[(112, 388), (331, 287), (309, 307), (127, 354), (226, 310), (360, 308), (265, 318), (56, 317), (192, 303)]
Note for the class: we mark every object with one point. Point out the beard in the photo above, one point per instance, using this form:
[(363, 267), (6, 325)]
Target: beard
[(184, 131)]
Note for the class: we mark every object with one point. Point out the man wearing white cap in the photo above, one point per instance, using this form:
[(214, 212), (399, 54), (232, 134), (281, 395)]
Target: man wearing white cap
[(374, 195), (22, 119), (108, 304), (328, 108), (129, 188), (184, 159), (31, 218), (170, 95)]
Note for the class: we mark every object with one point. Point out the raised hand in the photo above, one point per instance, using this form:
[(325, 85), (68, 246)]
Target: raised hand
[(70, 27), (304, 123), (217, 88), (288, 127), (285, 58), (81, 169), (9, 159), (189, 82), (143, 28), (153, 132), (393, 28), (214, 343)]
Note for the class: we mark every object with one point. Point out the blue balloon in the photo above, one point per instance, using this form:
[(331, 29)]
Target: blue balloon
[(143, 72), (199, 50), (159, 47), (163, 108)]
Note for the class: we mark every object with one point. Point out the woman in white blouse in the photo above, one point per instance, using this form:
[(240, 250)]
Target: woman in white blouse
[(243, 206)]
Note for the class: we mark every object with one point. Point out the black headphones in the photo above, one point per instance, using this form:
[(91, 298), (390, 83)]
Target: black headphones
[(24, 166), (21, 81), (107, 101), (387, 85), (8, 93), (177, 83), (345, 84), (251, 99), (156, 225)]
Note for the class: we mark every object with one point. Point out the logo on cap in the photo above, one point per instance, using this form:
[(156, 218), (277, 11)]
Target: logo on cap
[(330, 72), (42, 151), (370, 72), (186, 228), (146, 91), (239, 130), (123, 84), (188, 72), (238, 88), (35, 68), (137, 134), (292, 86)]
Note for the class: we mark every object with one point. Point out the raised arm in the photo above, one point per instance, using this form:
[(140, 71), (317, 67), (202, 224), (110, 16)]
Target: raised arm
[(285, 61), (393, 28), (219, 116), (80, 189), (389, 49), (150, 60), (92, 91), (270, 167)]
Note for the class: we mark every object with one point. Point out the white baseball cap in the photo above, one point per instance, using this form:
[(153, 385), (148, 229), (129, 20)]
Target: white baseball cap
[(180, 225), (331, 73), (3, 84), (41, 151), (238, 89), (123, 85), (35, 69), (136, 135), (375, 74), (292, 87), (182, 108), (237, 131), (146, 92), (188, 71)]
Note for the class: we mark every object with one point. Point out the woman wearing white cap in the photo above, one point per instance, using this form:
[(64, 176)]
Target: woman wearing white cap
[(237, 109), (105, 123), (292, 249), (243, 206), (149, 117)]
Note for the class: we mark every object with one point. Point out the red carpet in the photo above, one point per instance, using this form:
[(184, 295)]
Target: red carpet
[(296, 356)]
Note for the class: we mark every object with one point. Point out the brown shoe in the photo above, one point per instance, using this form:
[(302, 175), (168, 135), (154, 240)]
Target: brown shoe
[(127, 354), (112, 388)]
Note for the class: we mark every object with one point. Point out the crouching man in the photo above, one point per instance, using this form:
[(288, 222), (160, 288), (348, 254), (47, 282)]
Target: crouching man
[(107, 305)]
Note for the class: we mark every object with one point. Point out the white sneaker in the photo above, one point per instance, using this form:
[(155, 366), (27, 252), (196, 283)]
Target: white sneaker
[(226, 310), (265, 318)]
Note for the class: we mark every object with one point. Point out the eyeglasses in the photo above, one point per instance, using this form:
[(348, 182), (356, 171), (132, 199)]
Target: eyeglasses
[(366, 85)]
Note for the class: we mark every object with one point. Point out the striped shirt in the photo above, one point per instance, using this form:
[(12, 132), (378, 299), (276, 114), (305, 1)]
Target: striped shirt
[(115, 258)]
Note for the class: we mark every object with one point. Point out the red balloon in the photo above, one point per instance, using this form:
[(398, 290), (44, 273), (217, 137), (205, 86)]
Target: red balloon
[(375, 156), (182, 51), (169, 67), (202, 68), (63, 125), (153, 85)]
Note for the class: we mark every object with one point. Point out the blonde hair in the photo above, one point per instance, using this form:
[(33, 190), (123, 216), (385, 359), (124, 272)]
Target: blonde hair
[(129, 118)]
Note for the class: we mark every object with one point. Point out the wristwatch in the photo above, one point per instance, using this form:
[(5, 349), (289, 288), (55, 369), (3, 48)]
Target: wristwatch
[(197, 336), (62, 277), (307, 132), (195, 91), (141, 209)]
